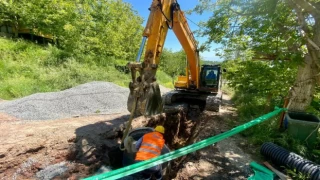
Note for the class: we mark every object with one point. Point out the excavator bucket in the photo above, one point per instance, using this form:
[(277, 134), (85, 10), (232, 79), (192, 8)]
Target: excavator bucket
[(148, 103), (154, 102)]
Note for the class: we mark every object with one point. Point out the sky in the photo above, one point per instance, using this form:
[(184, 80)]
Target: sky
[(141, 6)]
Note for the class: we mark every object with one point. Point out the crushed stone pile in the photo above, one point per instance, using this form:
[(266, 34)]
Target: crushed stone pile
[(90, 98)]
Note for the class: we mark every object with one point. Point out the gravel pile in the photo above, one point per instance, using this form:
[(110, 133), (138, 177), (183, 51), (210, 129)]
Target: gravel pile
[(89, 98)]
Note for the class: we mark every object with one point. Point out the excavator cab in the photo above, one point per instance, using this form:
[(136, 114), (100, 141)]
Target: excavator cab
[(210, 78)]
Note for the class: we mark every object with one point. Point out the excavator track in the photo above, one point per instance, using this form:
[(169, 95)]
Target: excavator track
[(213, 103), (187, 101)]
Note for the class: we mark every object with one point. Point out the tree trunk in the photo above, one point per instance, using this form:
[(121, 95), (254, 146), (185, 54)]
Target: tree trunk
[(267, 107), (16, 26), (308, 74), (303, 89)]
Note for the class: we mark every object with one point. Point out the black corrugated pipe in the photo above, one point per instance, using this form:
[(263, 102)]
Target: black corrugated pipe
[(281, 156)]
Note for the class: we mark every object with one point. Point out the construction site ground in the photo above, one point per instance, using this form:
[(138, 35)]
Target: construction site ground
[(76, 147)]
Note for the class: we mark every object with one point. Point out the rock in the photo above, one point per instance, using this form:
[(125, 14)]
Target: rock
[(52, 171)]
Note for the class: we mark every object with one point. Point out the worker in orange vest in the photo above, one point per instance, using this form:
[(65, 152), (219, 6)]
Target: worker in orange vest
[(150, 146)]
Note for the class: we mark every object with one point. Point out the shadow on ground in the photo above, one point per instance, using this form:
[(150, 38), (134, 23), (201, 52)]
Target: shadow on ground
[(93, 142), (224, 159)]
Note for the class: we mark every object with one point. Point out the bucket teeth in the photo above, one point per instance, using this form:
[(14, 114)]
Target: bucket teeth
[(149, 101)]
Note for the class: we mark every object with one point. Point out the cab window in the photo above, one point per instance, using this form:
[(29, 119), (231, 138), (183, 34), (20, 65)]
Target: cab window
[(211, 77)]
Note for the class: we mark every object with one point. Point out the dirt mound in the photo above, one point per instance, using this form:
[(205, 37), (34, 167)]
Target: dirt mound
[(181, 130)]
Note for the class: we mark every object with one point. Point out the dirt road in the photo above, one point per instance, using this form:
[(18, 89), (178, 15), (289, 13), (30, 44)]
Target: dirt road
[(77, 144), (76, 147)]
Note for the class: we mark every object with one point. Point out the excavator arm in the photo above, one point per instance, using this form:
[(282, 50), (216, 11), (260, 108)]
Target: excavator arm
[(189, 45), (145, 98)]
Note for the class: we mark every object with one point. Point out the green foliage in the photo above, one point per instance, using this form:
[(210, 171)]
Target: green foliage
[(107, 28), (173, 63), (164, 79), (203, 62), (275, 31), (260, 29), (255, 95), (314, 107), (95, 40), (26, 68), (227, 89), (297, 175), (258, 87), (260, 78)]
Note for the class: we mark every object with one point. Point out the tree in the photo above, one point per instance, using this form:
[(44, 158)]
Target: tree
[(276, 30), (10, 14), (308, 16), (173, 63), (107, 28)]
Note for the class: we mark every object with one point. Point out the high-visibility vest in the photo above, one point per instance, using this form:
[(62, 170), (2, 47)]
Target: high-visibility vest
[(151, 146)]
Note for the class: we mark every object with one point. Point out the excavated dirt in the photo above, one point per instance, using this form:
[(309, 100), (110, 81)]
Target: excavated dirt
[(179, 129), (73, 148), (227, 159)]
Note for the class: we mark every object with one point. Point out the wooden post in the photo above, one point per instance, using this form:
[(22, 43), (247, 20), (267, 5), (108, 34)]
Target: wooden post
[(285, 104)]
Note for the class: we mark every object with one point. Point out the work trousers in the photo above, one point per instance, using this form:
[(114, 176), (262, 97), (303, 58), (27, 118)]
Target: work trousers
[(156, 171)]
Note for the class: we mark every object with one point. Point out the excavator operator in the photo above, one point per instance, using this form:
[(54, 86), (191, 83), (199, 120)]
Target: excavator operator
[(211, 75), (150, 146)]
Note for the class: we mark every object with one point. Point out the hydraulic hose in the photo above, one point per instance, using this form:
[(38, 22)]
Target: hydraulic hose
[(129, 123), (141, 48)]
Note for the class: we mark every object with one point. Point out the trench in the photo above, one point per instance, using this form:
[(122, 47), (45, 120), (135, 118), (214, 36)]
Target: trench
[(181, 130)]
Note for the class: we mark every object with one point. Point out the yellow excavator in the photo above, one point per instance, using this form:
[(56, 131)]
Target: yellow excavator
[(198, 89)]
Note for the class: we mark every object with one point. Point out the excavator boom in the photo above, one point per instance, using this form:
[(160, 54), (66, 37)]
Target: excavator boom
[(164, 15), (189, 45)]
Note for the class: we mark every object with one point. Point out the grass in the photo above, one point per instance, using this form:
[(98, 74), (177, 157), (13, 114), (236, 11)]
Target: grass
[(250, 106), (164, 79), (27, 68), (227, 90)]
